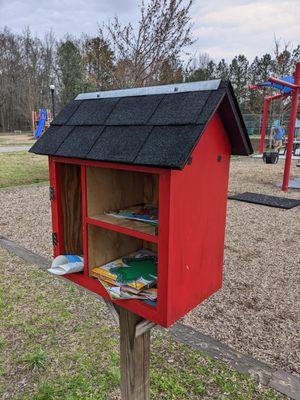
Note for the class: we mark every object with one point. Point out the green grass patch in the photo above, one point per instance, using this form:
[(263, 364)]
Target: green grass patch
[(22, 168), (61, 343), (35, 359)]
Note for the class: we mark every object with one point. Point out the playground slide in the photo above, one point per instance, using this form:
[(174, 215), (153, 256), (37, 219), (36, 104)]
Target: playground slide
[(40, 127)]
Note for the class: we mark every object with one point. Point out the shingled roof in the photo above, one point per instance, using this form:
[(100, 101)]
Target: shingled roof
[(156, 126)]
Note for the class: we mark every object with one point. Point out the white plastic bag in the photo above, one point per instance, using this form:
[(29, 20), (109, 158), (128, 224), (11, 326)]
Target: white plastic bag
[(66, 264)]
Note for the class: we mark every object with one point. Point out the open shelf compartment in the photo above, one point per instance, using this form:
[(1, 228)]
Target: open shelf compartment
[(106, 246), (113, 190), (82, 194)]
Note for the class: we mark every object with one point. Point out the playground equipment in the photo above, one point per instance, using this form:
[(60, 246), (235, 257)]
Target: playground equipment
[(40, 121), (289, 86)]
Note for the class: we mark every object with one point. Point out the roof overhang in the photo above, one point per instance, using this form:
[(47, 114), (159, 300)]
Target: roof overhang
[(157, 126)]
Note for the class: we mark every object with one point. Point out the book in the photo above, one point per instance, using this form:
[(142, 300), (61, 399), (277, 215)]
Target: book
[(121, 293), (130, 277), (143, 212), (138, 270), (150, 293)]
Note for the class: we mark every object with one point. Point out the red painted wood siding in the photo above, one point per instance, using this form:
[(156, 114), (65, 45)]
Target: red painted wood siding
[(197, 223), (192, 213)]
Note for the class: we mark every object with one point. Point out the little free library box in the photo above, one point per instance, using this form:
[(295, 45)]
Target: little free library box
[(166, 146)]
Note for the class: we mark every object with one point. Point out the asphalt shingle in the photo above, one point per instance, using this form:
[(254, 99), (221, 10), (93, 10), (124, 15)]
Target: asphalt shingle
[(119, 143), (66, 113), (80, 141), (180, 108), (50, 141), (158, 129), (169, 146), (135, 110), (93, 112)]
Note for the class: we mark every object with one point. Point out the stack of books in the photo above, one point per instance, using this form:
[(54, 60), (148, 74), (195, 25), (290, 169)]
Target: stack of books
[(131, 277), (142, 212)]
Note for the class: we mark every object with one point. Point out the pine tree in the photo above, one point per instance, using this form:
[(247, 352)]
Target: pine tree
[(259, 71), (239, 78), (70, 70), (203, 69), (222, 70)]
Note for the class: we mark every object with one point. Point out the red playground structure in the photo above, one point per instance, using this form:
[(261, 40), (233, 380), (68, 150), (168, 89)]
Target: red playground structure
[(289, 87)]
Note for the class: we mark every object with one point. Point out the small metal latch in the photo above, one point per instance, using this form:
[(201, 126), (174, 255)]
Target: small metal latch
[(51, 193), (54, 239)]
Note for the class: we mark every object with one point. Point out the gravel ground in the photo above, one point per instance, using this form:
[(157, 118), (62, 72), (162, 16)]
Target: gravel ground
[(257, 311), (25, 217)]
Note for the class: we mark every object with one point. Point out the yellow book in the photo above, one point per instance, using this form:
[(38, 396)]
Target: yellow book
[(104, 270), (98, 271)]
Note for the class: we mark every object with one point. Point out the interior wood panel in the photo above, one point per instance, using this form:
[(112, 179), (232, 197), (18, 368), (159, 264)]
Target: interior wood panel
[(71, 207), (151, 189), (109, 189), (105, 246)]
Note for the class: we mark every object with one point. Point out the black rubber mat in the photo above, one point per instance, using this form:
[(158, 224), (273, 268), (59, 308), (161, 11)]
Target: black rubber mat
[(265, 200)]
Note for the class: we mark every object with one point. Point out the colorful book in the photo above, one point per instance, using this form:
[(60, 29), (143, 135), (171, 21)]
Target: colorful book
[(150, 293), (144, 212), (137, 271), (121, 293)]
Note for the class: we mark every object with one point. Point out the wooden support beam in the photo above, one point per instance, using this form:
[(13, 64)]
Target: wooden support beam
[(143, 327), (135, 358)]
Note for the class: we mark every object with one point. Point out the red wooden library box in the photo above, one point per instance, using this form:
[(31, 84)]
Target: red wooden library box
[(169, 146)]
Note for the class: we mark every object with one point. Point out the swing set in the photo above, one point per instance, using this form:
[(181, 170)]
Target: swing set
[(288, 86)]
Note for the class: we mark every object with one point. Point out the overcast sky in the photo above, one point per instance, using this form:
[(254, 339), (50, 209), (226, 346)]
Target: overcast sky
[(223, 28)]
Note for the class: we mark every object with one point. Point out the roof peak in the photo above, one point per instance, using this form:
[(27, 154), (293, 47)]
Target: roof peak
[(152, 90), (159, 130)]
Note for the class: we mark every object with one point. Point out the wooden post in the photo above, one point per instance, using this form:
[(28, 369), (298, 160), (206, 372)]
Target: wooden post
[(135, 358)]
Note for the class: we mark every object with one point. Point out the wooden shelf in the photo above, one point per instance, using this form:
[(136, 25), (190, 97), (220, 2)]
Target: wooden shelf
[(136, 229)]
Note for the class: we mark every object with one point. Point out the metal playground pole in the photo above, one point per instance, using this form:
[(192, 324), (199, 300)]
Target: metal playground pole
[(293, 117)]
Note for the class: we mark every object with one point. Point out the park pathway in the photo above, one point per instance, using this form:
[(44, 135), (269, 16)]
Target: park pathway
[(12, 149)]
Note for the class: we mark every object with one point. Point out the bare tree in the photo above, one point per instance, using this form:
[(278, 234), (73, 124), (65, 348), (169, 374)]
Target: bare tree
[(11, 76), (38, 62), (147, 53), (283, 60), (163, 31), (26, 69)]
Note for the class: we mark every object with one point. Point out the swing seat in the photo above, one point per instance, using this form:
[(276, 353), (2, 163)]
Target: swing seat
[(271, 157)]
